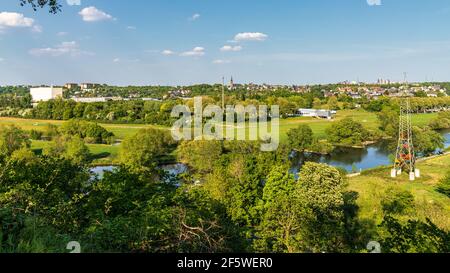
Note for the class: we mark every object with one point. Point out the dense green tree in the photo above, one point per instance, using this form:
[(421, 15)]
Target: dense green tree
[(11, 139), (441, 122), (444, 185), (413, 237), (347, 132), (320, 193), (245, 193), (427, 141), (388, 119), (300, 138), (89, 131), (333, 103), (142, 150), (397, 201), (76, 150), (377, 105), (71, 148), (281, 218), (200, 155)]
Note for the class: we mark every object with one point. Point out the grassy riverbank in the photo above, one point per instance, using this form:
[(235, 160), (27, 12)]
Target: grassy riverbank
[(372, 185)]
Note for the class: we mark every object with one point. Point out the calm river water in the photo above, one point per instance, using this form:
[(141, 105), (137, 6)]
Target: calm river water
[(358, 159)]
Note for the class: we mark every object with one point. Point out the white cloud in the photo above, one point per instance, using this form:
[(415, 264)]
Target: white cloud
[(196, 52), (73, 2), (167, 52), (251, 36), (194, 17), (92, 14), (374, 2), (1, 60), (15, 20), (221, 62), (116, 60), (37, 29), (131, 27), (228, 48), (62, 33), (65, 48)]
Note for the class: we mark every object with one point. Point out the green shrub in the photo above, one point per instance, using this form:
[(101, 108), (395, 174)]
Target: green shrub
[(397, 201), (36, 135), (444, 185)]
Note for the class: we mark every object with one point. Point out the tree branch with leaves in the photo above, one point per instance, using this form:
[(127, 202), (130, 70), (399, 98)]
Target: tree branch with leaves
[(53, 5)]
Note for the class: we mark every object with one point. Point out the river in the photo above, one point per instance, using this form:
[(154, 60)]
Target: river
[(355, 160), (350, 159)]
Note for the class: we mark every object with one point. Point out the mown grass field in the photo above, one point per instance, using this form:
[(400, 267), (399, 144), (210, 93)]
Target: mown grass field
[(318, 125), (102, 154), (372, 185), (106, 154), (121, 131)]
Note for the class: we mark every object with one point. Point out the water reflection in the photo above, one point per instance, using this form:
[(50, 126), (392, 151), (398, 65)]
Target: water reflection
[(100, 170), (172, 170), (352, 159)]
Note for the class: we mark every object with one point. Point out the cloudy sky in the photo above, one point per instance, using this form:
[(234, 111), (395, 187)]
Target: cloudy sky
[(172, 42)]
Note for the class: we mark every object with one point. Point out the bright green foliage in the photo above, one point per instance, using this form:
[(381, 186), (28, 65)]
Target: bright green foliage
[(217, 183), (71, 148), (89, 131), (444, 185), (321, 146), (280, 221), (24, 155), (397, 201), (141, 151), (200, 155), (441, 122), (377, 105), (11, 139), (36, 135), (300, 138), (51, 132), (413, 237), (427, 141), (245, 192), (389, 121), (333, 103), (320, 191), (76, 150), (347, 132)]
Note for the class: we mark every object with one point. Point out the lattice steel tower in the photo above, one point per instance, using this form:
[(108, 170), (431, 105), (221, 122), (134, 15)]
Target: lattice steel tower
[(405, 159)]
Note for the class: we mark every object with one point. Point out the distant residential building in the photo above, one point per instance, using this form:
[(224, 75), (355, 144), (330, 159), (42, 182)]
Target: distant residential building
[(328, 114), (45, 93), (87, 86), (71, 85)]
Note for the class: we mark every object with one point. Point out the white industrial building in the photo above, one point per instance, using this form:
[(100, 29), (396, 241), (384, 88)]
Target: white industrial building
[(45, 93), (328, 114)]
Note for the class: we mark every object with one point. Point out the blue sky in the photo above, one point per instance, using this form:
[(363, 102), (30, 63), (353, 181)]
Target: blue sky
[(171, 42)]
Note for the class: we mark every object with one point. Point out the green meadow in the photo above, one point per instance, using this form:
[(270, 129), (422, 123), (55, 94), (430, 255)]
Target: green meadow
[(428, 203)]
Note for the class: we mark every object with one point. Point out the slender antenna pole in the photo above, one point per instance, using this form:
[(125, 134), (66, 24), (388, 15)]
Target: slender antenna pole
[(223, 93)]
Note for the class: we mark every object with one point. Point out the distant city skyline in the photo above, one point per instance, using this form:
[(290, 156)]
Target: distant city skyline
[(185, 42)]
